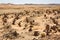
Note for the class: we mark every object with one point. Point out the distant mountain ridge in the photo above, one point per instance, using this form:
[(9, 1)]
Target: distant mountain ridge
[(28, 4)]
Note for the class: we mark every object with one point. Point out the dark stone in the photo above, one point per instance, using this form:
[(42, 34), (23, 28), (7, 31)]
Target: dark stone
[(35, 39), (36, 33), (15, 34), (31, 26), (14, 21), (47, 29), (19, 24), (30, 29)]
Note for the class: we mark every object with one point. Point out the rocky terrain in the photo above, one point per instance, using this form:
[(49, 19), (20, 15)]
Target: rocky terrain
[(29, 22)]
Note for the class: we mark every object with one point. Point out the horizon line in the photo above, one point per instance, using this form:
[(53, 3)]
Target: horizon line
[(29, 3)]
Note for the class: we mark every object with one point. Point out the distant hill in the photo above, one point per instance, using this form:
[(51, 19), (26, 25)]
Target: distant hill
[(28, 4)]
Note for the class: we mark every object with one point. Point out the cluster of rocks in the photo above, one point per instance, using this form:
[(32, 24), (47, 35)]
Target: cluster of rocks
[(30, 25)]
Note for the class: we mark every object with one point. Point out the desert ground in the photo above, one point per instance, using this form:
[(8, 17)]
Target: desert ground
[(29, 22)]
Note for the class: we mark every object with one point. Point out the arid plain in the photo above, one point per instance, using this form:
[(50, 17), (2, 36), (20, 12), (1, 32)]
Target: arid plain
[(29, 22)]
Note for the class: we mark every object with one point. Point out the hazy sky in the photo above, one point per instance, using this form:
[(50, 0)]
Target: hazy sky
[(30, 1)]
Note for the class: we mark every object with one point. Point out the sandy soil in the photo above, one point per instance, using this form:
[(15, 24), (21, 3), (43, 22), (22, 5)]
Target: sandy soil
[(29, 22)]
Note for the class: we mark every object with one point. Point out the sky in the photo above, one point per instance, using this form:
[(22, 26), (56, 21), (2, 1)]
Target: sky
[(30, 1)]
